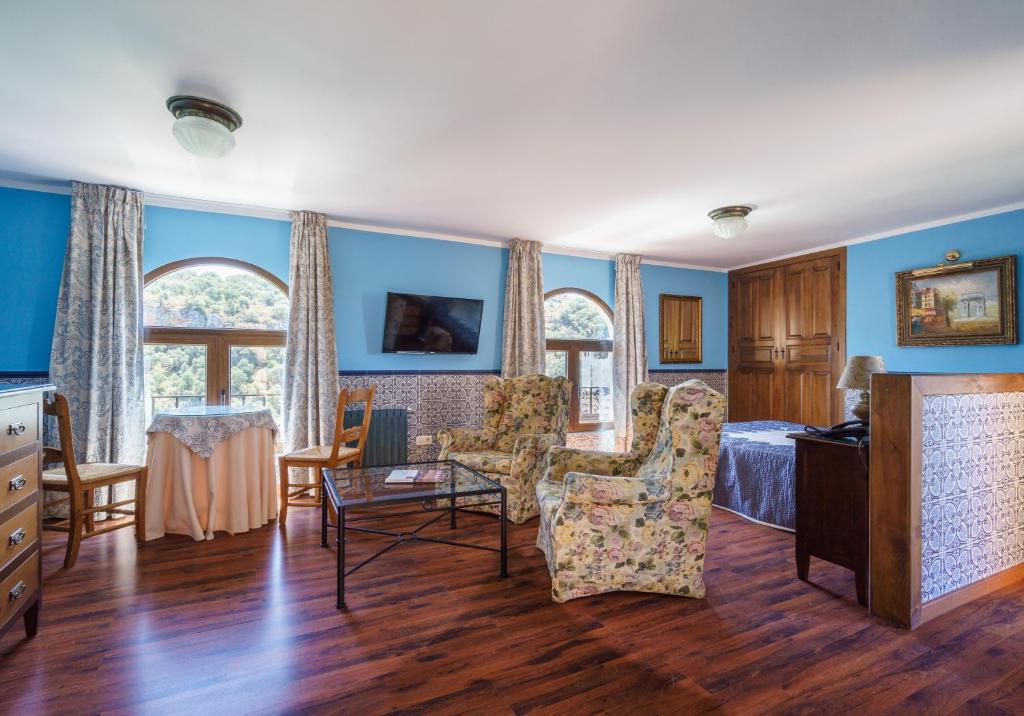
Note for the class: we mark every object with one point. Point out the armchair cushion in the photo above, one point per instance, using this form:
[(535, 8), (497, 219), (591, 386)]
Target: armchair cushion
[(584, 489), (562, 460), (485, 461)]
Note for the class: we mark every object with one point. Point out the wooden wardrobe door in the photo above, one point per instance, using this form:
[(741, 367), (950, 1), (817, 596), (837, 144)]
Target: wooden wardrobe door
[(755, 379), (812, 340)]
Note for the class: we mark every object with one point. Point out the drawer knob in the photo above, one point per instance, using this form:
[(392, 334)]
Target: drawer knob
[(16, 428), (17, 482), (17, 537), (17, 591)]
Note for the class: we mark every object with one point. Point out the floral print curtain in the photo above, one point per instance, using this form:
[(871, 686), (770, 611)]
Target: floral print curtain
[(629, 353), (311, 359), (522, 351), (96, 357)]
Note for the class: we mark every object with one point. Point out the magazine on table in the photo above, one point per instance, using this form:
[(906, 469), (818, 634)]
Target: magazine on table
[(410, 477)]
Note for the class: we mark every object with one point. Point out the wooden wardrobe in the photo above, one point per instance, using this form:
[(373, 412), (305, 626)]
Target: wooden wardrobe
[(787, 339)]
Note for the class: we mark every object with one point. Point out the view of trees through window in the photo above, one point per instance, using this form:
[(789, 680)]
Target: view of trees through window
[(215, 297), (214, 334), (579, 335), (572, 315)]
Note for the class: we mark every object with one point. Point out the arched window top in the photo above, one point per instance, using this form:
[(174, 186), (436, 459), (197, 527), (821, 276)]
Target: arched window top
[(215, 293), (576, 314)]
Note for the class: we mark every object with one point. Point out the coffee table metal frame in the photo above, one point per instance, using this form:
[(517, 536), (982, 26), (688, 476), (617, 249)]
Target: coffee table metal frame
[(427, 504)]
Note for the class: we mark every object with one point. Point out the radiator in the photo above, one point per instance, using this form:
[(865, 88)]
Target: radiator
[(388, 441)]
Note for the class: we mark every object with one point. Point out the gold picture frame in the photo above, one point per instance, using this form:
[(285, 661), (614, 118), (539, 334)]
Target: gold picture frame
[(966, 304)]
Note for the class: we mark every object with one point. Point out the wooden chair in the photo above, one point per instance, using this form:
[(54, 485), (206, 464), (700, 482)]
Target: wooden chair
[(80, 482), (305, 494)]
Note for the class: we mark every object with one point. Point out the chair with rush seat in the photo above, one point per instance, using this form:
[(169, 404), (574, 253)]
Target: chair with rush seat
[(81, 481), (306, 494)]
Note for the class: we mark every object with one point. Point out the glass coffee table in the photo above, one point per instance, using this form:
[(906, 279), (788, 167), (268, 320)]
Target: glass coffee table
[(361, 494)]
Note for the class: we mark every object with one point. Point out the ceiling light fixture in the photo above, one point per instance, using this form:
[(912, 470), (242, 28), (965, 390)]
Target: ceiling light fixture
[(730, 221), (202, 126)]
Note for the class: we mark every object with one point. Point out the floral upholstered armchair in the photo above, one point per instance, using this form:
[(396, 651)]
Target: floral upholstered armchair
[(608, 522), (523, 417)]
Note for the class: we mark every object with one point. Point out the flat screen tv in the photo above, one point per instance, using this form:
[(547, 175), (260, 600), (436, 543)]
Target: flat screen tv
[(431, 324)]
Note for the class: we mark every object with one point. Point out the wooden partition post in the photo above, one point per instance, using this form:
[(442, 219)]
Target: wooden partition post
[(894, 501)]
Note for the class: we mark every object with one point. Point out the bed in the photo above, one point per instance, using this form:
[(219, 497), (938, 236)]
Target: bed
[(756, 468)]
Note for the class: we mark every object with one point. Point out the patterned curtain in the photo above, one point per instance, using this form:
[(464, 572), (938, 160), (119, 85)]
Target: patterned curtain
[(96, 358), (522, 351), (629, 354), (311, 359)]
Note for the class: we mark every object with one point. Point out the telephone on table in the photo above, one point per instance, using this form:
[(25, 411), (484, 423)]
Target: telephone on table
[(856, 429)]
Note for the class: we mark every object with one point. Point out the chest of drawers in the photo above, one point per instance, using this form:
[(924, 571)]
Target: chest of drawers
[(21, 500)]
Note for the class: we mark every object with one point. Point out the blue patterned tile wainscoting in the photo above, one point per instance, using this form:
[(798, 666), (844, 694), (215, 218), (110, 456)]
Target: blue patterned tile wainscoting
[(973, 489), (23, 378), (433, 400), (455, 399), (437, 400)]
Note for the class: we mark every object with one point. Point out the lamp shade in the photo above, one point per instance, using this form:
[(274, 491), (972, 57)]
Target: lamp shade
[(857, 374)]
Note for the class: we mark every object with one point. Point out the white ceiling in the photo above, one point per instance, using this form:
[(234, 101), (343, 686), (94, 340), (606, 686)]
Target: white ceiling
[(609, 125)]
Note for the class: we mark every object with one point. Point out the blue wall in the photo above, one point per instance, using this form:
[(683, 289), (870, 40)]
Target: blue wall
[(367, 265), (594, 275), (173, 234), (34, 232), (871, 293), (34, 226), (713, 287)]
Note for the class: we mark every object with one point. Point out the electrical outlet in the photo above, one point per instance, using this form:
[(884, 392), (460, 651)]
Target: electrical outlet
[(424, 439)]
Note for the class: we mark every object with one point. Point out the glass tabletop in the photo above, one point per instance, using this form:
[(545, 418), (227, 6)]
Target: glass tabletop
[(412, 482), (211, 411)]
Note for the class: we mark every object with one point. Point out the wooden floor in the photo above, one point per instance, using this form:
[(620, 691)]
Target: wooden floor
[(247, 624)]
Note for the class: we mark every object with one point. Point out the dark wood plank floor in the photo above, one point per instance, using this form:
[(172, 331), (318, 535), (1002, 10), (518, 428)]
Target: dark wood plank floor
[(247, 624)]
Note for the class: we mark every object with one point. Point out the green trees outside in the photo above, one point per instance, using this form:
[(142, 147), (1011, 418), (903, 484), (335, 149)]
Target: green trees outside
[(570, 315), (218, 297)]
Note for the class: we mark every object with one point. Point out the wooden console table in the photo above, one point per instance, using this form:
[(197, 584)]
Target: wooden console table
[(832, 506)]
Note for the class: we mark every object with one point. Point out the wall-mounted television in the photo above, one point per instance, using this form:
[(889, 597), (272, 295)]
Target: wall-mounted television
[(431, 324)]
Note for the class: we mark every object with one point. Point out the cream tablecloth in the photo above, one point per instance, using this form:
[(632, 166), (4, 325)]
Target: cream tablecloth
[(210, 469)]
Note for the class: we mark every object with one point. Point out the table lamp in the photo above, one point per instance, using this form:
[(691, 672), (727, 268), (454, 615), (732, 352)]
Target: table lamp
[(857, 376)]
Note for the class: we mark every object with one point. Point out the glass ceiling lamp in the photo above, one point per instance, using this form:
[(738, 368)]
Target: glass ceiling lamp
[(202, 126), (730, 221)]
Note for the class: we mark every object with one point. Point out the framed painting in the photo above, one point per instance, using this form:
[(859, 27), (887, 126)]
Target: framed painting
[(966, 304)]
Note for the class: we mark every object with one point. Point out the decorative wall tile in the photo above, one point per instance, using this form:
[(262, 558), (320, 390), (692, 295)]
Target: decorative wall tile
[(973, 489), (717, 379), (441, 400)]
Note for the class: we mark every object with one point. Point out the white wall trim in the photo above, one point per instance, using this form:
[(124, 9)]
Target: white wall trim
[(262, 212), (394, 231), (216, 207), (221, 207), (1005, 208), (47, 187)]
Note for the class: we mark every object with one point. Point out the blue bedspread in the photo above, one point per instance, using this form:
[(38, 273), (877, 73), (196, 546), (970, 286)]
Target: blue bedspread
[(756, 471)]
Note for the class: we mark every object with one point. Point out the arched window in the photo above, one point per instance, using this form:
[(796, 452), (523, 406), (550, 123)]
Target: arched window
[(578, 329), (214, 335)]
